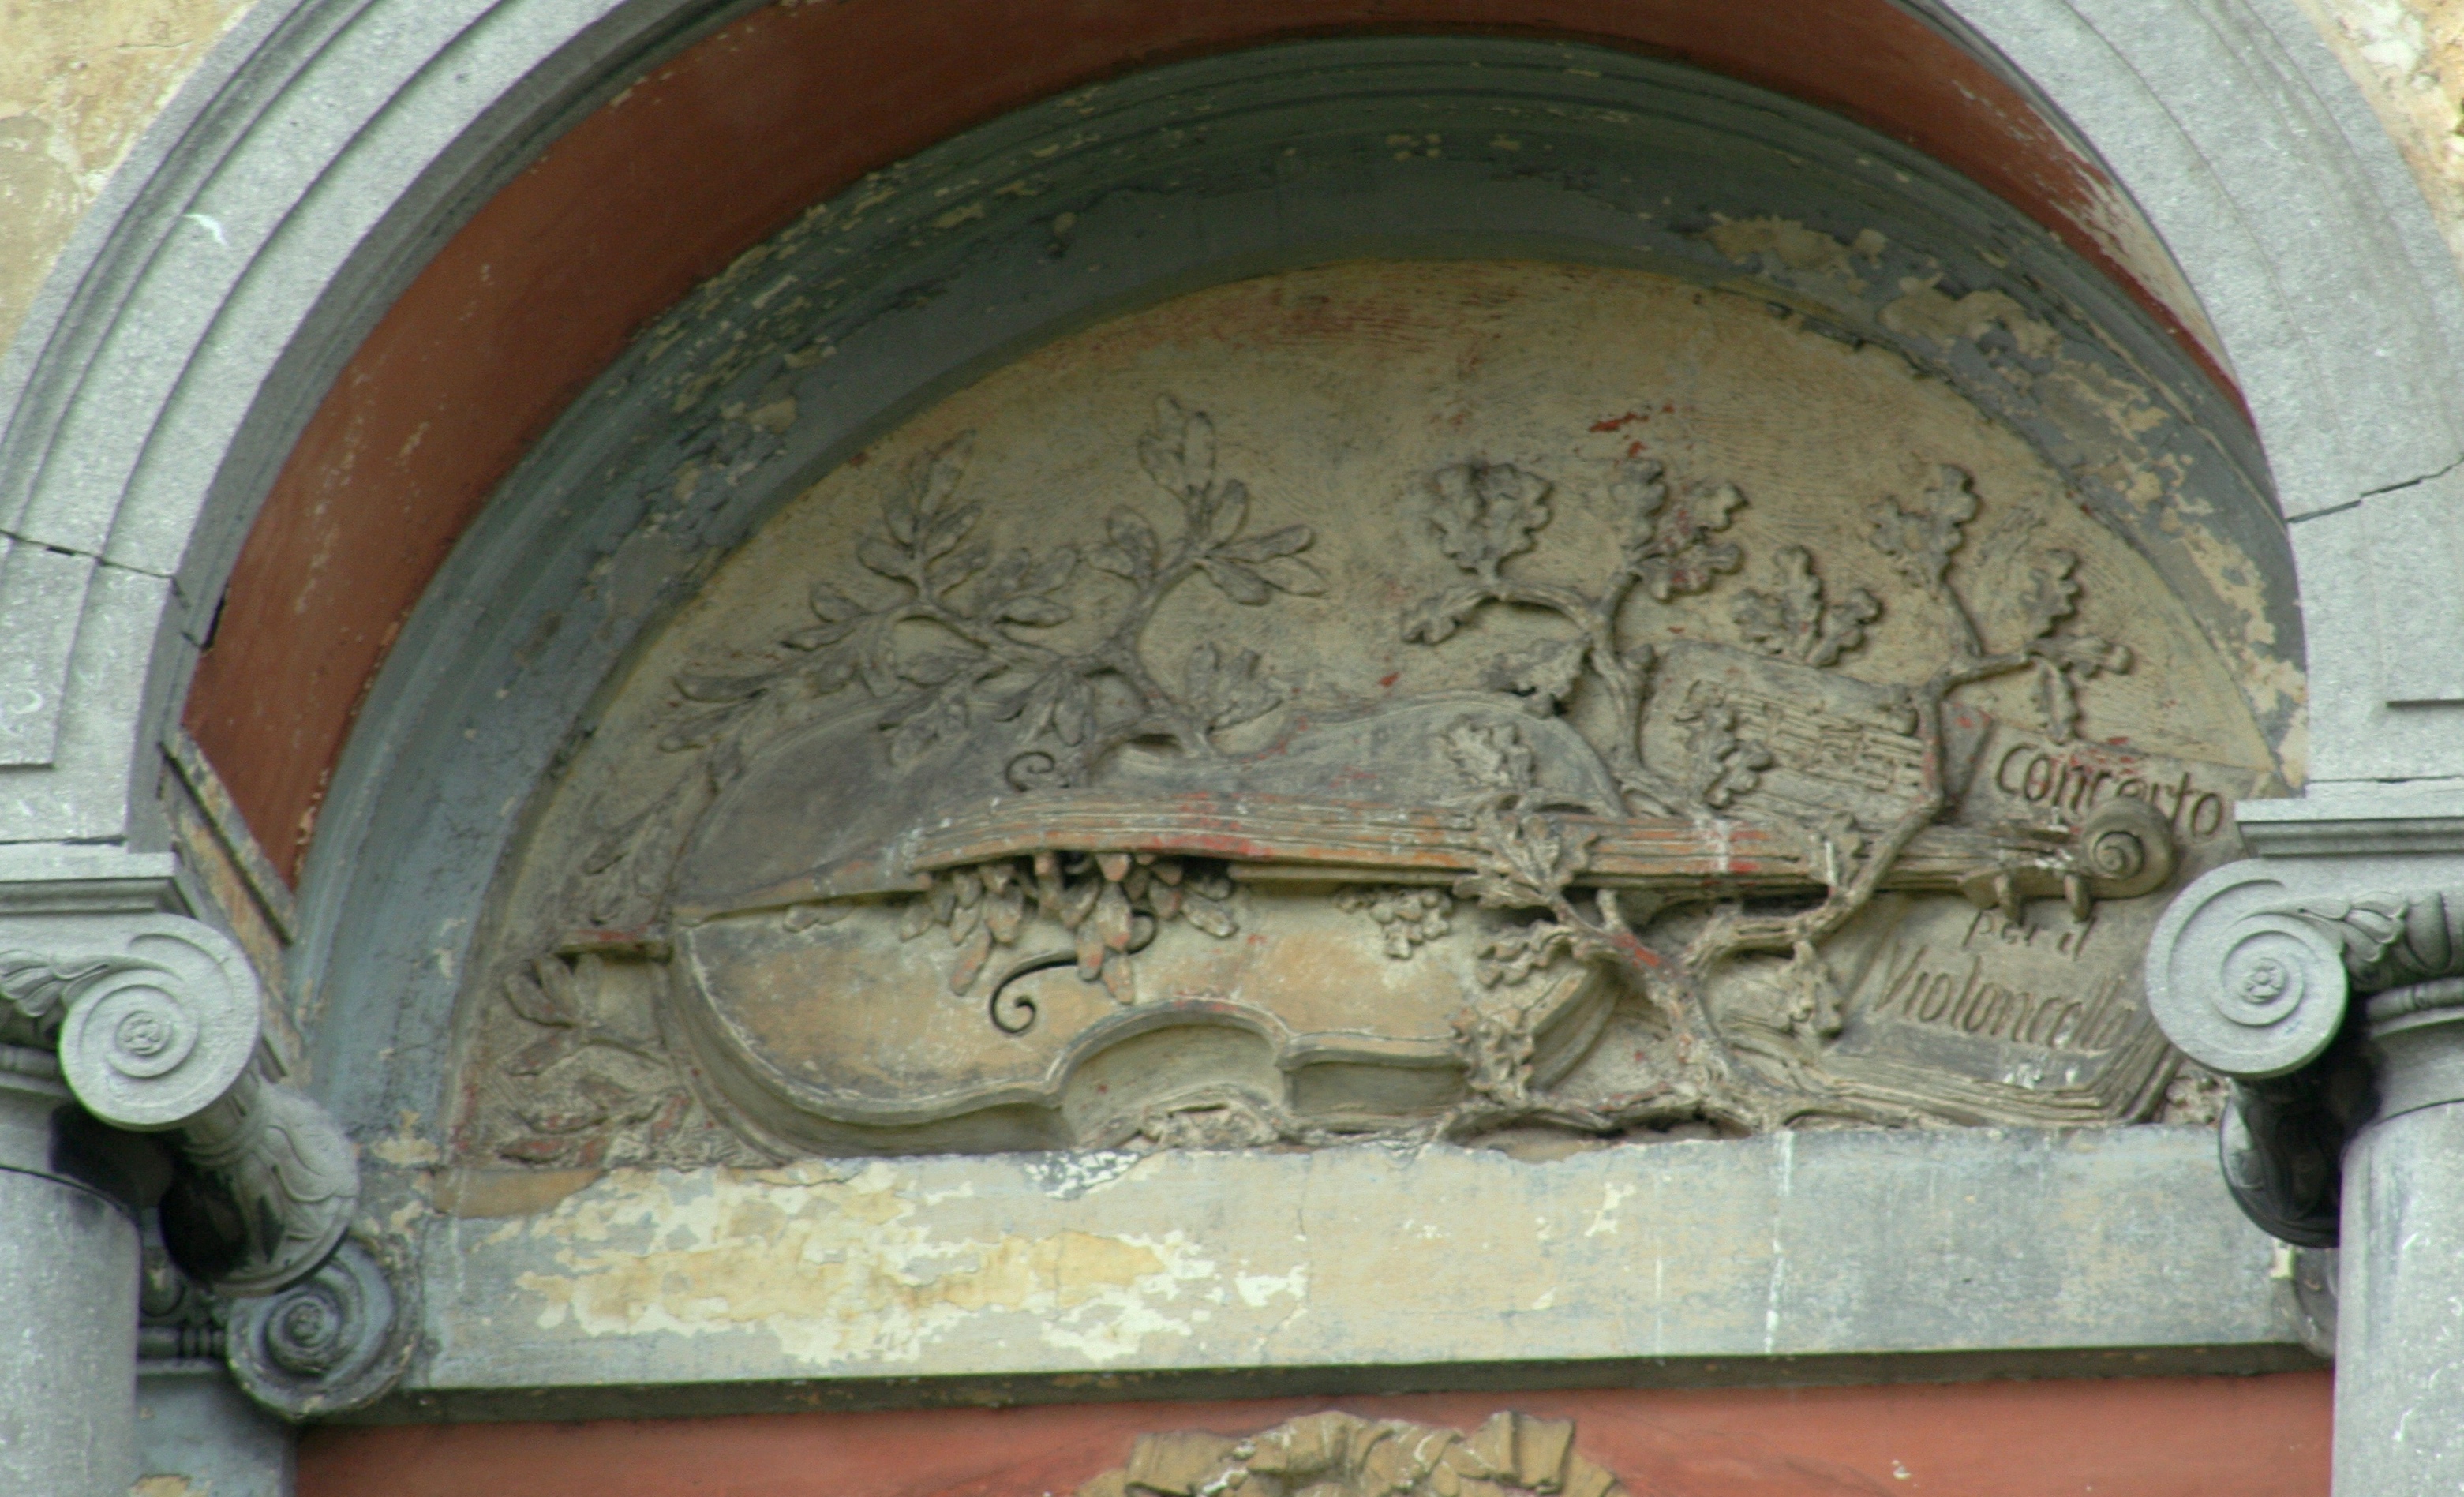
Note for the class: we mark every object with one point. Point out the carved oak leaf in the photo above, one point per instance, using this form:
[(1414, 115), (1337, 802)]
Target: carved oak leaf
[(1675, 555), (1641, 483), (1435, 619), (1525, 862), (2063, 657), (1548, 671), (1920, 541), (1337, 1454), (1485, 513), (1494, 759), (1796, 621), (2053, 596)]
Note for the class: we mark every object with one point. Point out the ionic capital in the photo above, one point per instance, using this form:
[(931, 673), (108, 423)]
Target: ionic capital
[(155, 1019)]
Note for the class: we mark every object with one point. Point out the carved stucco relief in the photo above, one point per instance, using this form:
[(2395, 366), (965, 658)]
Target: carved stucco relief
[(1343, 1455), (1389, 698)]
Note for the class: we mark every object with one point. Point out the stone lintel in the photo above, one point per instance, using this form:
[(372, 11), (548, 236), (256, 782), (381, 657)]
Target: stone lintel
[(1793, 1257)]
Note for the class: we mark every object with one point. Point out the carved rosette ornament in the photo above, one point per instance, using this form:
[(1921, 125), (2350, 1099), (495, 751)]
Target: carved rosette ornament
[(1164, 789), (1343, 1455)]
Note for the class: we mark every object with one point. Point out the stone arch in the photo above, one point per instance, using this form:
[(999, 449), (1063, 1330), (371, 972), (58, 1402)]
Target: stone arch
[(326, 150)]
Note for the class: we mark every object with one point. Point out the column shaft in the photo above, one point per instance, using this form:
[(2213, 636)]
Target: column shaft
[(68, 1288)]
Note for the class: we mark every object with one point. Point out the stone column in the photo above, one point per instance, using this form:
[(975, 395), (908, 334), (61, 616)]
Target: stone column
[(129, 1077), (68, 1279), (2327, 979)]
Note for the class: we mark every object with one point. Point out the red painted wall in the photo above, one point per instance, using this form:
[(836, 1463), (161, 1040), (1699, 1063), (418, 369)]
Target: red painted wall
[(722, 146), (2152, 1436)]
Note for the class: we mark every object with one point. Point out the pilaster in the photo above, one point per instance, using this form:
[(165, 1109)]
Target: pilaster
[(2326, 975)]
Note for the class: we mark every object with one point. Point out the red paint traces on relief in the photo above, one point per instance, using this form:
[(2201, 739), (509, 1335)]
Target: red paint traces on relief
[(1389, 679), (1619, 422)]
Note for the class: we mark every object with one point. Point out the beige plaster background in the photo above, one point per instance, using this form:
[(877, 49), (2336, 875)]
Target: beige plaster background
[(2408, 57), (79, 81)]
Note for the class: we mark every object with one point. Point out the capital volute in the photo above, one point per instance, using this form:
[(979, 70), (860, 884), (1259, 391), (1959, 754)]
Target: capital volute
[(155, 1015), (156, 1018), (2244, 977)]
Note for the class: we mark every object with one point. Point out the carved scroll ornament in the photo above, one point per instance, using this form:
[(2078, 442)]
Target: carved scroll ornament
[(156, 1021), (2259, 979), (332, 1342), (971, 782)]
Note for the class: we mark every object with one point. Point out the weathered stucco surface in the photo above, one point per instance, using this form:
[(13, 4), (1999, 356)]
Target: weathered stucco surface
[(79, 82), (2407, 58), (1060, 1265)]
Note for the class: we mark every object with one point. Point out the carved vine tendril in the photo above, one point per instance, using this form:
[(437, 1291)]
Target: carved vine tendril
[(1110, 904)]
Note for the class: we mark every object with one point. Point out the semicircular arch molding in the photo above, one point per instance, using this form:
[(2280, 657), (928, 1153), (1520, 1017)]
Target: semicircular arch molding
[(329, 148)]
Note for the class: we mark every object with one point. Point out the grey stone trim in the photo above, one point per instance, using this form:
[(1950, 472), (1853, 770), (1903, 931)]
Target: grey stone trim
[(1907, 1254), (193, 1424), (266, 885), (304, 174)]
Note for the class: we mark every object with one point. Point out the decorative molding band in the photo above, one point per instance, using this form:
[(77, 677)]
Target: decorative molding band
[(265, 882), (2347, 819)]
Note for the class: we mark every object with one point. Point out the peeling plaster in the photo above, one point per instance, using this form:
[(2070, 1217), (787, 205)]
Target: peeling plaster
[(79, 83), (1925, 311), (839, 1270), (2406, 57)]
